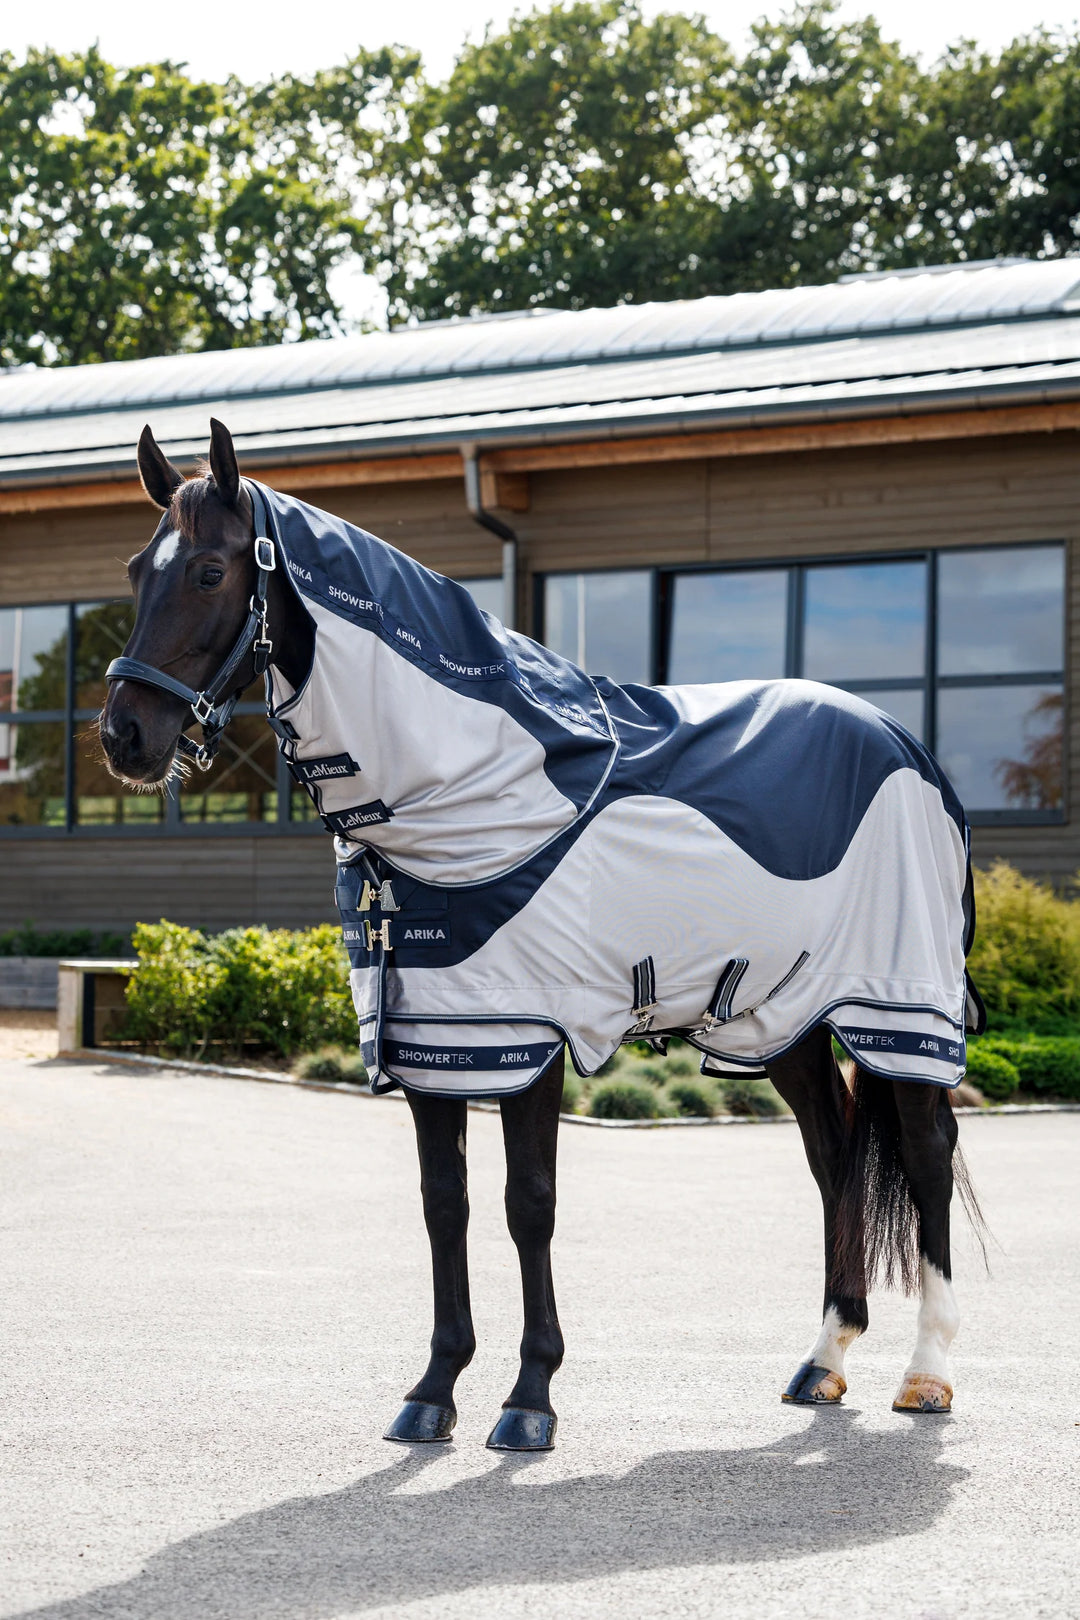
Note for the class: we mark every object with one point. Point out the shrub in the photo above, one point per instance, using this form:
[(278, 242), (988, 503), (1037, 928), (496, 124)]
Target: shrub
[(571, 1092), (1026, 956), (692, 1098), (679, 1066), (624, 1099), (994, 1075), (332, 1063), (285, 991), (750, 1098), (654, 1073), (28, 941), (1045, 1063)]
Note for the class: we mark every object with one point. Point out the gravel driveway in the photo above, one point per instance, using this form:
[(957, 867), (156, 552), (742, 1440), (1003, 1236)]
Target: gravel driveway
[(215, 1293)]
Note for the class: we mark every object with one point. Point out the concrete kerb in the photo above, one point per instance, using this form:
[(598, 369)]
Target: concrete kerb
[(347, 1088)]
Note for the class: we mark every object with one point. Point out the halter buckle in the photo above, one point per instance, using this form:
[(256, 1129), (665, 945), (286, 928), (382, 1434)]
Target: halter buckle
[(203, 709)]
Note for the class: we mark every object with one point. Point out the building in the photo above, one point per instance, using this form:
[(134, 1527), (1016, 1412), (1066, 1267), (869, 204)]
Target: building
[(875, 483)]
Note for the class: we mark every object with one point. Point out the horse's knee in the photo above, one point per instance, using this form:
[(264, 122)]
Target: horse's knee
[(530, 1208), (446, 1205)]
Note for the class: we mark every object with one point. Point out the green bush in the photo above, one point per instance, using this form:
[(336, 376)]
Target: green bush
[(994, 1075), (624, 1099), (750, 1098), (654, 1073), (1026, 956), (29, 941), (332, 1063), (270, 988), (679, 1066), (1046, 1064), (691, 1098), (571, 1092)]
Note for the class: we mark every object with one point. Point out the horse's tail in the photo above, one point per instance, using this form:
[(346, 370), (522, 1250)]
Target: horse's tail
[(877, 1229)]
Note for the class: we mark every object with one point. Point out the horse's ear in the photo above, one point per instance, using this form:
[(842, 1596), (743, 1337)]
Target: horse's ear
[(226, 473), (159, 476)]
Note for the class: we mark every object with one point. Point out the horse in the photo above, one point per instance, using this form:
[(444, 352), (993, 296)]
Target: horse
[(527, 834)]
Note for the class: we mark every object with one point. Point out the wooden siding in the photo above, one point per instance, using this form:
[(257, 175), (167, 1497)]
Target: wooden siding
[(726, 509)]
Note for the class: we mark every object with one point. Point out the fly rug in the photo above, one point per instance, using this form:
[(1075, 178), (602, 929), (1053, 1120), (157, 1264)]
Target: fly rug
[(530, 859)]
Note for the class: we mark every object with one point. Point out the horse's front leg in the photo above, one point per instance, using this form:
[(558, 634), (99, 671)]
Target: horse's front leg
[(530, 1133), (810, 1082), (429, 1412), (928, 1133)]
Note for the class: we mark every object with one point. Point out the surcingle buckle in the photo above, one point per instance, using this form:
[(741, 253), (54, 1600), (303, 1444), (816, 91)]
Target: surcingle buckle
[(378, 936)]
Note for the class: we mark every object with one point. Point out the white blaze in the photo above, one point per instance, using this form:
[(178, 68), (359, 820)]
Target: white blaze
[(167, 548)]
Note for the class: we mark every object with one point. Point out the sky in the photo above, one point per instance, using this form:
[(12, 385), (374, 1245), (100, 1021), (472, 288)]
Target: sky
[(277, 35)]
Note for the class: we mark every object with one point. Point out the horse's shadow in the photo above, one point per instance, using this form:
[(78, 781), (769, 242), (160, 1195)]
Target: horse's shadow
[(829, 1486)]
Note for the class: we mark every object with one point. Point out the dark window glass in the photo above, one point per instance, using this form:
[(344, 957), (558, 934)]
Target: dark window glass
[(486, 593), (601, 622), (301, 805), (241, 784), (33, 657), (728, 626), (32, 772), (907, 707), (1001, 611), (101, 633), (102, 801), (1001, 746), (865, 622)]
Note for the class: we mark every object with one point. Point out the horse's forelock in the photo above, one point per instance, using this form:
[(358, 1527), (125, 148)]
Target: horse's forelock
[(188, 501)]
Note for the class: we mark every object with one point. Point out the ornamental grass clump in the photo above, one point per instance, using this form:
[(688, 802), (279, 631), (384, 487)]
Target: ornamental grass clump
[(332, 1064), (750, 1099), (624, 1099), (691, 1098)]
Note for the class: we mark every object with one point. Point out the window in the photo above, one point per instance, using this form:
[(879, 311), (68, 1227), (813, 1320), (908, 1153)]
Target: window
[(52, 775), (602, 622), (964, 648), (487, 593)]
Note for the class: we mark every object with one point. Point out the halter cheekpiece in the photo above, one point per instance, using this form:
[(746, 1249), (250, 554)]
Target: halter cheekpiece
[(213, 714)]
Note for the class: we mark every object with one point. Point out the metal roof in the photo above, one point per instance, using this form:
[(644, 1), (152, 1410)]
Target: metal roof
[(906, 341)]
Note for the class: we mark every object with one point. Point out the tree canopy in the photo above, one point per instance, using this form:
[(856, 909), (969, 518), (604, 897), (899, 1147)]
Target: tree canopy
[(584, 155)]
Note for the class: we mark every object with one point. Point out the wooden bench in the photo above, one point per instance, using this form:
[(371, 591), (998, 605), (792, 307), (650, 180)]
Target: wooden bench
[(90, 1002)]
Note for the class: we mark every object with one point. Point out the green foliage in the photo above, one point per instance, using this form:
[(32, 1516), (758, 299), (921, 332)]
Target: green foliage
[(584, 154), (30, 941), (1026, 956), (332, 1064), (270, 988), (749, 1098), (1046, 1064), (691, 1098), (571, 1092), (624, 1099), (655, 1073), (994, 1075)]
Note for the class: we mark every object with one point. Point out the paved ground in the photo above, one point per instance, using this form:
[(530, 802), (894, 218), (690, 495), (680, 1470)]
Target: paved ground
[(215, 1293)]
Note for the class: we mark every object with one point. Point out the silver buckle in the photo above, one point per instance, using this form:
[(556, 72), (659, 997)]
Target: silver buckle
[(203, 709), (261, 556)]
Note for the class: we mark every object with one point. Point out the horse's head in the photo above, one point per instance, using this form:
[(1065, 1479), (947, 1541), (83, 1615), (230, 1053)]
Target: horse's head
[(192, 586)]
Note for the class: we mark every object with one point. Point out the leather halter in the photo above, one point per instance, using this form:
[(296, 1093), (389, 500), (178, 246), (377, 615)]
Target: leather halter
[(208, 706)]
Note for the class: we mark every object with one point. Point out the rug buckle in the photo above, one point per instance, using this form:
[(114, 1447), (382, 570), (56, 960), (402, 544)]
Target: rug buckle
[(378, 936)]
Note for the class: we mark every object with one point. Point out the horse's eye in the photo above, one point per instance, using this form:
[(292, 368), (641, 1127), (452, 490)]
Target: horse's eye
[(211, 576)]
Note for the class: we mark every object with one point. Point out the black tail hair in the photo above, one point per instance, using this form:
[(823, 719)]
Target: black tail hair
[(877, 1233)]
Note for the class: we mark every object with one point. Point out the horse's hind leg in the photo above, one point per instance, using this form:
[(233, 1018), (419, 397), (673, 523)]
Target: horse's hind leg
[(810, 1082), (429, 1412), (928, 1134), (530, 1133)]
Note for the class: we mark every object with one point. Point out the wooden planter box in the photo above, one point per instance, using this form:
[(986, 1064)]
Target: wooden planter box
[(90, 1002)]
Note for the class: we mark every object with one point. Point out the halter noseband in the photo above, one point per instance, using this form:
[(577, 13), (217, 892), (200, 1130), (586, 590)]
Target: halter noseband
[(213, 714)]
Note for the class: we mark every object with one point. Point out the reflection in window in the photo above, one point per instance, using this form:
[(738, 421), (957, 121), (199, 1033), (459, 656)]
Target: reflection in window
[(102, 630), (241, 784), (602, 622), (32, 773), (33, 657), (905, 706), (865, 622), (1001, 746), (728, 626), (1001, 611), (486, 593)]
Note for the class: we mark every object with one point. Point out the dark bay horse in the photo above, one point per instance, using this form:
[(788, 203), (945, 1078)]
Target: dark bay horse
[(214, 610)]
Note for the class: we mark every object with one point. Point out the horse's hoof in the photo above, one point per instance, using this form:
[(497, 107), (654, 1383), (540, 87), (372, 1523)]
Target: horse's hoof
[(419, 1423), (922, 1393), (815, 1386), (521, 1430)]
